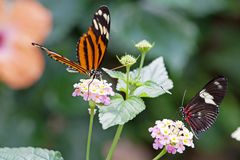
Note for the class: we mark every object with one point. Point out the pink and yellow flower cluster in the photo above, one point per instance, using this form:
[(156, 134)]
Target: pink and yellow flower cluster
[(171, 134), (94, 90)]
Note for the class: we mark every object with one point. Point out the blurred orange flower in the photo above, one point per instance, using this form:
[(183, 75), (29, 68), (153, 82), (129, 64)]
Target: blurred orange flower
[(22, 22)]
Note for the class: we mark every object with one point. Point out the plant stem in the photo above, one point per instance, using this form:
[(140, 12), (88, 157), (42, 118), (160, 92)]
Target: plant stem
[(127, 73), (120, 127), (141, 64), (162, 153), (115, 141), (92, 108)]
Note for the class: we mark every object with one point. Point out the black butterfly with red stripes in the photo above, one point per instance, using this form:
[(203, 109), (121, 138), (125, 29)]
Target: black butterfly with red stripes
[(202, 110)]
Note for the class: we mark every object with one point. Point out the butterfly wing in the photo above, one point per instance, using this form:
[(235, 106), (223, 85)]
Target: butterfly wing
[(62, 59), (201, 112), (91, 47)]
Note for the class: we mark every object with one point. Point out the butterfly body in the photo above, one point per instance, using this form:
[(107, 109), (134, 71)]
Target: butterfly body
[(202, 110), (91, 46)]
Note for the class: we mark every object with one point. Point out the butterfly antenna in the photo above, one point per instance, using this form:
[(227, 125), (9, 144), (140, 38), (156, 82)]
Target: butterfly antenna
[(184, 94), (181, 107)]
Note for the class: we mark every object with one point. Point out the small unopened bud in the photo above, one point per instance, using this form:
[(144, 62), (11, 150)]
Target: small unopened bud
[(127, 60), (144, 46)]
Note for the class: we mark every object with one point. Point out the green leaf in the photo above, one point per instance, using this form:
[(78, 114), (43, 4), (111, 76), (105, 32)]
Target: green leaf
[(149, 89), (155, 71), (29, 153), (115, 74), (153, 80), (121, 85), (120, 111)]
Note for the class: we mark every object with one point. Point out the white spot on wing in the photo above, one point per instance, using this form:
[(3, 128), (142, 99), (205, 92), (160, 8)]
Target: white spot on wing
[(199, 114), (105, 16), (108, 19), (218, 85), (95, 24), (207, 97), (107, 36), (100, 12), (104, 30)]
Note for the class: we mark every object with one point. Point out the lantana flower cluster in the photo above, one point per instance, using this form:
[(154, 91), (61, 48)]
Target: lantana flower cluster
[(94, 90), (171, 134)]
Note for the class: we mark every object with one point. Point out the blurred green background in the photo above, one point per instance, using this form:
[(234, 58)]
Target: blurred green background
[(199, 39)]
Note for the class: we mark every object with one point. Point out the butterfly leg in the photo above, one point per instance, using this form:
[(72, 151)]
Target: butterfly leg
[(89, 87)]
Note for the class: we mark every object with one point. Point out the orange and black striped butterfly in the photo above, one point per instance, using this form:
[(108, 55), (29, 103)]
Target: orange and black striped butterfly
[(91, 46)]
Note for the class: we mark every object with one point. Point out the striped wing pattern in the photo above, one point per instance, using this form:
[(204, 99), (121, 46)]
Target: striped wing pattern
[(201, 112), (91, 47), (73, 65)]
